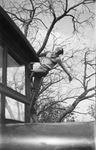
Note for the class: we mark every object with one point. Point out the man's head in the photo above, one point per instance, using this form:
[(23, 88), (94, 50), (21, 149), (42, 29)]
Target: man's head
[(59, 51)]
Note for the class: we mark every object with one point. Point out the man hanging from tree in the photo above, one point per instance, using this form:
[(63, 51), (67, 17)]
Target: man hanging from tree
[(48, 61)]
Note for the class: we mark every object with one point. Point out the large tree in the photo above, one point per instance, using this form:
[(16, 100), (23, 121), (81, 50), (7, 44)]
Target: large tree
[(48, 16)]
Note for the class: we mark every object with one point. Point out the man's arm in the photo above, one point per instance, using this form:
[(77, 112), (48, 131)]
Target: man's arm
[(64, 68)]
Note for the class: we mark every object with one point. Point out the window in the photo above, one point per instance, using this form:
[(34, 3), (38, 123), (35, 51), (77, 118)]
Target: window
[(1, 62), (15, 75), (14, 109), (13, 98)]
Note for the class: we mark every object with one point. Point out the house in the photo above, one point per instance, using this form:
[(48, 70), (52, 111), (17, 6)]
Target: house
[(15, 55)]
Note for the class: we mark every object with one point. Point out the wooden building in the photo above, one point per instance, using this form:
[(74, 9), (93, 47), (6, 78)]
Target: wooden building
[(15, 55)]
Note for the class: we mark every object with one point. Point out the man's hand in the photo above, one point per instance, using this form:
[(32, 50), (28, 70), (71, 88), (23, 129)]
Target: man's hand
[(70, 78)]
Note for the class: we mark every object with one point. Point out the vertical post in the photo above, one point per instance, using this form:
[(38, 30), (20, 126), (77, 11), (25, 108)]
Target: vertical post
[(27, 92), (4, 80)]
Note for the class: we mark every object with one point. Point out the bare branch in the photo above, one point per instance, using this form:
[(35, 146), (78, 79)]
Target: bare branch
[(85, 71), (41, 22), (90, 75), (46, 37), (75, 103), (51, 8), (20, 19), (66, 7), (75, 6)]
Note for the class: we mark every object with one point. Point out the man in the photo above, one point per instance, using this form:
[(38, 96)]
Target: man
[(47, 63)]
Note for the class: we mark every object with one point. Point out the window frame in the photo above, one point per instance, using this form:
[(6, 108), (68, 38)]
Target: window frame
[(7, 91)]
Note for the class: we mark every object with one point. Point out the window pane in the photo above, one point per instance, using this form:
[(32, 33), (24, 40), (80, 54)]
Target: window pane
[(15, 75), (1, 62), (14, 109)]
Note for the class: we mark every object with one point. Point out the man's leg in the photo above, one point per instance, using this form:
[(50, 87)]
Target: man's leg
[(36, 84)]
